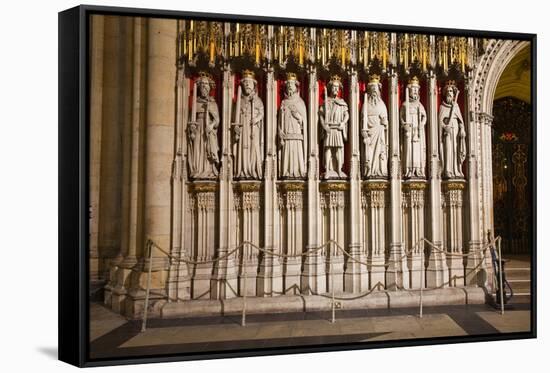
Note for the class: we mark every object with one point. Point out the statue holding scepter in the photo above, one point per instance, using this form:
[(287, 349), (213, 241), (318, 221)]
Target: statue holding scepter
[(413, 122), (452, 134), (202, 130), (248, 130), (333, 118)]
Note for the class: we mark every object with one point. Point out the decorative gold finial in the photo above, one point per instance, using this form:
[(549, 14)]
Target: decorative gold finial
[(414, 82)]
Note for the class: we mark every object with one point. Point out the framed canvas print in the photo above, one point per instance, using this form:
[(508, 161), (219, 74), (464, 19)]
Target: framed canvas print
[(238, 185)]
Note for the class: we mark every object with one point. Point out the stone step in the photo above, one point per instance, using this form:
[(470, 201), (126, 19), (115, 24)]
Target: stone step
[(517, 274), (520, 287)]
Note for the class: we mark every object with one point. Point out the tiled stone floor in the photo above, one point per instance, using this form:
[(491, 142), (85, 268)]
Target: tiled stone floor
[(111, 335)]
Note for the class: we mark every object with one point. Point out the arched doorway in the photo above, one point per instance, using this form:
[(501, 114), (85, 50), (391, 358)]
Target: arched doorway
[(512, 155), (512, 174)]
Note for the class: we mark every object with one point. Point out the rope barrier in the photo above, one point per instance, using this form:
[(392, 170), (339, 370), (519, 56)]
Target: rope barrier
[(310, 251)]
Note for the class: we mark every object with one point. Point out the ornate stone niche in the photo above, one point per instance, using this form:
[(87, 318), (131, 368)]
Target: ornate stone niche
[(452, 202), (374, 203), (333, 228), (202, 244), (292, 235), (247, 200), (413, 203)]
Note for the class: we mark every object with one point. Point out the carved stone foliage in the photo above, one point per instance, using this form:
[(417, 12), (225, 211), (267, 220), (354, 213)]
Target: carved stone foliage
[(332, 199)]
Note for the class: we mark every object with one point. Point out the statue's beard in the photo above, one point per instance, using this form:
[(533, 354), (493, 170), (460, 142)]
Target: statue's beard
[(373, 99)]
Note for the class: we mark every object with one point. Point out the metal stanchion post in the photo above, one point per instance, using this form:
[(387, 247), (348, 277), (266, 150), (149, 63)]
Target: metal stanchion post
[(501, 287), (148, 289), (332, 284), (421, 279), (243, 320)]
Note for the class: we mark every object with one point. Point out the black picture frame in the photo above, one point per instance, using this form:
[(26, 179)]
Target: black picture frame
[(74, 115)]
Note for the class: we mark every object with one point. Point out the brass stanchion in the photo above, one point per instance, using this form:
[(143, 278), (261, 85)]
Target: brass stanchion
[(148, 289), (501, 288), (243, 319), (421, 280)]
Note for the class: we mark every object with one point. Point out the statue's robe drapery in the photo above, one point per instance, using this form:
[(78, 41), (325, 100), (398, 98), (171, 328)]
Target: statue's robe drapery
[(202, 145), (248, 145), (414, 139), (333, 116), (332, 113), (292, 137), (375, 125), (453, 145)]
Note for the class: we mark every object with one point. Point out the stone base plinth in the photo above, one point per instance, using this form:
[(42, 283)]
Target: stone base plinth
[(309, 303)]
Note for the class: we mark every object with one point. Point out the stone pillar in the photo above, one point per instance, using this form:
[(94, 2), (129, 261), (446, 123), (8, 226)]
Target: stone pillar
[(413, 206), (128, 121), (375, 196), (159, 132), (355, 279), (224, 281), (474, 173), (487, 187), (313, 274), (269, 280), (179, 285), (333, 204), (110, 182), (396, 266), (96, 110), (436, 272), (453, 227)]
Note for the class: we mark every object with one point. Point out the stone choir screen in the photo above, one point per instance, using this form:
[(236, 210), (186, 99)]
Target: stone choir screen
[(257, 185)]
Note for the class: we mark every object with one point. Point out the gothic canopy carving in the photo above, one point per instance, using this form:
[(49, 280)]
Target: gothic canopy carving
[(220, 42)]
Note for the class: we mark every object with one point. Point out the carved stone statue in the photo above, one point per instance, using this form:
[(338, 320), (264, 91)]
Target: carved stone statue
[(333, 117), (413, 122), (375, 131), (248, 130), (292, 131), (452, 134), (202, 131)]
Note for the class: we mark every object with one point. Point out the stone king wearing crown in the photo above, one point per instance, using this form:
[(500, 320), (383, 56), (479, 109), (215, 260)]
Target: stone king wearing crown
[(452, 135), (333, 118), (248, 130), (413, 122), (375, 131)]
